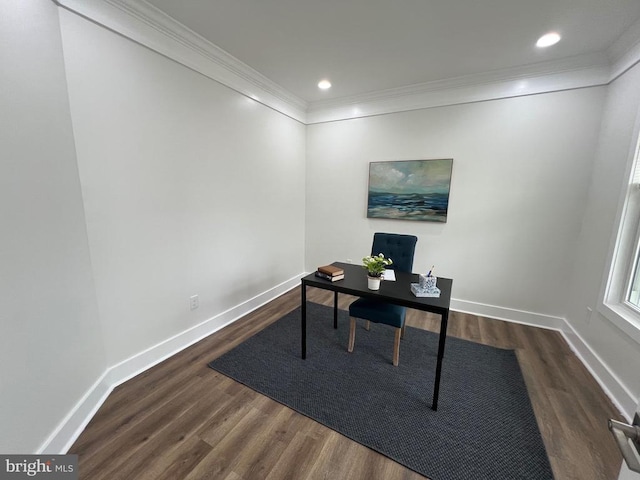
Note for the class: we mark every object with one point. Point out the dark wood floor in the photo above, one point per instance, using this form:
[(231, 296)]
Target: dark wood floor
[(182, 420)]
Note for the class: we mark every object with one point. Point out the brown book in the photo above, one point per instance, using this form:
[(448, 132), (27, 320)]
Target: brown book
[(331, 270), (334, 278)]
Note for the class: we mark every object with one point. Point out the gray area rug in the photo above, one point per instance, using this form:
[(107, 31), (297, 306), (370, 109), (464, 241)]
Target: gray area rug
[(484, 428)]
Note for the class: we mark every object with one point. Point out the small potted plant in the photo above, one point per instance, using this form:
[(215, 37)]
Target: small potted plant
[(375, 265)]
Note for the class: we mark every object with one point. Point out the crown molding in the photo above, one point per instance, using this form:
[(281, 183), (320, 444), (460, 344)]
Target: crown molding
[(571, 64), (148, 26), (625, 52), (574, 72), (152, 28)]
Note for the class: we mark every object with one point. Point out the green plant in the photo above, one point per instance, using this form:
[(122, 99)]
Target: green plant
[(375, 264)]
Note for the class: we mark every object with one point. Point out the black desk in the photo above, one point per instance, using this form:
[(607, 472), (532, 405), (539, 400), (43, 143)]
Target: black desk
[(398, 292)]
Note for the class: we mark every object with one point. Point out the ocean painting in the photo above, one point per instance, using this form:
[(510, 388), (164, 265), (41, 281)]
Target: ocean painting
[(410, 189)]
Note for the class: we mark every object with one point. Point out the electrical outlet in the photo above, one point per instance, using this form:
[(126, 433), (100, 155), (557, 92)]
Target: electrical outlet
[(194, 302), (349, 260)]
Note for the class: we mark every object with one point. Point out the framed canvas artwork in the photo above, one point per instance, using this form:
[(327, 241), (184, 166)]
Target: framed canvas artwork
[(410, 189)]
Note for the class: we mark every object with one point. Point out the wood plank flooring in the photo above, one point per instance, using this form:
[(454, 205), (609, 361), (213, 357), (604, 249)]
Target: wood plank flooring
[(183, 420)]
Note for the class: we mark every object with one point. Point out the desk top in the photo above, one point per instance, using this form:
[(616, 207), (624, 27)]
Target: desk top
[(398, 292)]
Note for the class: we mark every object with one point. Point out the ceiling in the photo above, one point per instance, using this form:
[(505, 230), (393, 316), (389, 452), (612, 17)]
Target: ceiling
[(365, 46)]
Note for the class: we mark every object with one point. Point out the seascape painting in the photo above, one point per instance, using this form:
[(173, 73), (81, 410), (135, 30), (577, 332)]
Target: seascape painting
[(410, 189)]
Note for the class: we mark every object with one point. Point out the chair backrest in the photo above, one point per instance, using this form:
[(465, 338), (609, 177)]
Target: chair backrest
[(400, 248)]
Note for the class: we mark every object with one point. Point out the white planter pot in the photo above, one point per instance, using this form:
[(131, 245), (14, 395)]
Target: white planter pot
[(373, 283)]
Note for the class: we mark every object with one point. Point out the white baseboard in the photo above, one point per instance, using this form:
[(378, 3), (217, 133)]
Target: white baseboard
[(509, 314), (140, 362), (77, 419), (75, 422), (608, 381)]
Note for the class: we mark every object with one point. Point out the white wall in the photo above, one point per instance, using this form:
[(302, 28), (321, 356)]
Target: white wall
[(175, 186), (50, 342), (520, 175), (618, 353), (189, 188)]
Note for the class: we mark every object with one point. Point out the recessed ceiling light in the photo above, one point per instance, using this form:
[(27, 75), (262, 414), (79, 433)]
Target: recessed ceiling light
[(324, 84), (548, 39)]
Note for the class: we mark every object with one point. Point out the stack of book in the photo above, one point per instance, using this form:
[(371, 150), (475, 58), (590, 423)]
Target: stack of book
[(330, 272)]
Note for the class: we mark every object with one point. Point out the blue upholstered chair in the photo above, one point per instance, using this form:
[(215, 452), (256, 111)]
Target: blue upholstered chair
[(400, 248)]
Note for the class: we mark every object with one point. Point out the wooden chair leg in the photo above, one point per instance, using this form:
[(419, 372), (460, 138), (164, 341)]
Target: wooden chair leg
[(403, 331), (352, 334), (396, 347), (367, 325)]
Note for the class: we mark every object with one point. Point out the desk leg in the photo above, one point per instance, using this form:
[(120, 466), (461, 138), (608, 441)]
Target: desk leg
[(335, 309), (303, 318), (443, 338)]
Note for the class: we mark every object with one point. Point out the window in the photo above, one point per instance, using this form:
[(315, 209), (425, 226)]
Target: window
[(632, 296), (621, 302)]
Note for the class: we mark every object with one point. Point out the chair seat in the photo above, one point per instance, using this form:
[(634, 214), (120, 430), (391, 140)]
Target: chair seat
[(378, 312)]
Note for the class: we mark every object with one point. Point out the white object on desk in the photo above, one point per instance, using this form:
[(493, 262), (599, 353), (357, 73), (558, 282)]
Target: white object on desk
[(389, 275), (426, 287), (419, 292)]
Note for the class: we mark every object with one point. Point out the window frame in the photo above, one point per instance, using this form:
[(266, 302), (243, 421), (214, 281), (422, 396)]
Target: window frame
[(625, 251), (634, 267)]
